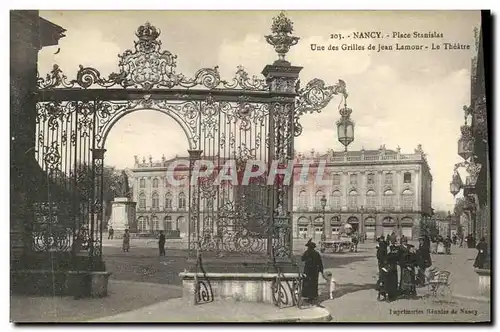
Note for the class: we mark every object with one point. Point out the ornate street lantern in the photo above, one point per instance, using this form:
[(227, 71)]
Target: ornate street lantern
[(323, 201), (455, 184), (466, 143), (345, 127), (473, 169)]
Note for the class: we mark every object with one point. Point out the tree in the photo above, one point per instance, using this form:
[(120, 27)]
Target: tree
[(110, 183)]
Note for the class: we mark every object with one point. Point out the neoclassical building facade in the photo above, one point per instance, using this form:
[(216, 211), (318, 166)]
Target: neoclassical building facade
[(374, 191), (160, 205)]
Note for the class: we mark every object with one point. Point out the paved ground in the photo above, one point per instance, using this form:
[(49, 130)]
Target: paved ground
[(178, 310), (145, 285), (355, 300), (142, 264), (123, 297)]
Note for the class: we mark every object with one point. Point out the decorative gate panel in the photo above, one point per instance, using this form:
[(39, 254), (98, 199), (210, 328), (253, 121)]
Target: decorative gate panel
[(225, 122)]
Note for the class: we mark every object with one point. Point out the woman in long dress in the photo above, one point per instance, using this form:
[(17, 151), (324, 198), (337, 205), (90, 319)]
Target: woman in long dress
[(392, 274), (312, 268), (126, 241), (407, 262), (424, 259), (482, 248)]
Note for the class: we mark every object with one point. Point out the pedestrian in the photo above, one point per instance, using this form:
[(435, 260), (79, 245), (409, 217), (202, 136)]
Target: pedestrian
[(126, 241), (423, 261), (391, 284), (161, 243), (393, 238), (388, 239), (382, 262), (111, 232), (447, 245), (355, 242), (407, 265), (312, 268), (482, 248)]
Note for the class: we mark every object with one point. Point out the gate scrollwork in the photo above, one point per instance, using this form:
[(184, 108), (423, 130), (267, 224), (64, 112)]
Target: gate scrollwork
[(246, 118)]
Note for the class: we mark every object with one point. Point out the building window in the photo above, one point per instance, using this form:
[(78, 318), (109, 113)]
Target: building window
[(317, 199), (353, 200), (142, 225), (407, 177), (155, 200), (168, 223), (353, 179), (168, 200), (388, 199), (155, 224), (336, 200), (155, 183), (303, 199), (142, 183), (388, 179), (370, 178), (407, 199), (142, 201), (182, 201), (371, 199), (178, 222), (336, 179)]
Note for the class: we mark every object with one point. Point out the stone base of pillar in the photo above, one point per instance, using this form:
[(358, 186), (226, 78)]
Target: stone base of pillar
[(245, 280), (59, 274), (484, 284)]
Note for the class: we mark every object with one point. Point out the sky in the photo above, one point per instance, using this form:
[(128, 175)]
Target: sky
[(398, 98)]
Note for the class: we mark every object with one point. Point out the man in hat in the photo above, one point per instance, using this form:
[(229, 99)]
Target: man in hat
[(313, 266)]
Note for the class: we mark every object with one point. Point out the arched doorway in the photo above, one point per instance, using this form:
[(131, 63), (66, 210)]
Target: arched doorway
[(335, 226), (354, 222), (407, 227), (302, 227), (317, 228), (370, 228), (182, 226), (389, 225)]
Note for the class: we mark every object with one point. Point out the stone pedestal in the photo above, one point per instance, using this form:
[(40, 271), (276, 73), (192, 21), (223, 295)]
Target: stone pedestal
[(245, 287), (122, 216), (246, 279), (484, 284)]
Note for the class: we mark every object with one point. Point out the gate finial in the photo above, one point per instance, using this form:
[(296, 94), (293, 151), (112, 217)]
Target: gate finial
[(281, 38)]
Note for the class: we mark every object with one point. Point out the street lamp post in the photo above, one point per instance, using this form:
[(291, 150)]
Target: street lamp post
[(449, 223), (362, 225), (323, 205)]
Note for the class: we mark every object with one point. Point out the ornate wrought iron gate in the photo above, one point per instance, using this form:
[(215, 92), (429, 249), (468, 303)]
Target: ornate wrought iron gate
[(248, 118)]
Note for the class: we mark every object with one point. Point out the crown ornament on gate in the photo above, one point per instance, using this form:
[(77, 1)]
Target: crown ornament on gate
[(281, 38), (147, 35)]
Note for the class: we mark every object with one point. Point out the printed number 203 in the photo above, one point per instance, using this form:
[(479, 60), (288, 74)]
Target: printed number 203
[(336, 36)]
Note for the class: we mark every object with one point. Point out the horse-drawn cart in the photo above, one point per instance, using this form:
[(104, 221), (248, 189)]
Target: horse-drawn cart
[(336, 245)]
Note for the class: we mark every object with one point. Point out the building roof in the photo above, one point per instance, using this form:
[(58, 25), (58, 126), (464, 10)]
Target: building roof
[(50, 33)]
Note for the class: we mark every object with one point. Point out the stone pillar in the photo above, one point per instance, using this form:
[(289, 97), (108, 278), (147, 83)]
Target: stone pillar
[(28, 34), (123, 216), (282, 78)]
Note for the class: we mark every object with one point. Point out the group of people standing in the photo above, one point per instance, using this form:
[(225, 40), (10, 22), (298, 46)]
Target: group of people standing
[(412, 264)]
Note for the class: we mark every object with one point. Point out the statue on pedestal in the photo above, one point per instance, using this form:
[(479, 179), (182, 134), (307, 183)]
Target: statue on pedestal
[(123, 187)]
